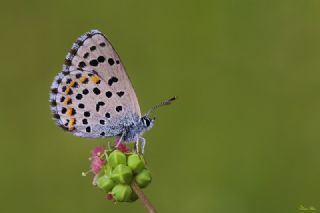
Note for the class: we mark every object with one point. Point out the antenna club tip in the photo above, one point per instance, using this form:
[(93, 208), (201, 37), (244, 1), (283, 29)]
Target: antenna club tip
[(173, 98)]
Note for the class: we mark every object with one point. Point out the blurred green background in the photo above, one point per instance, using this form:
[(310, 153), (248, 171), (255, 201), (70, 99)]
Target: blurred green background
[(243, 137)]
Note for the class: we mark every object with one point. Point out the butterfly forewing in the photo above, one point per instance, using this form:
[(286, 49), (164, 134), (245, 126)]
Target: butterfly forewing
[(92, 51), (93, 96)]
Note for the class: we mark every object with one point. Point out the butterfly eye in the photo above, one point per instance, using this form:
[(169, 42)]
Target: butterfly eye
[(147, 122)]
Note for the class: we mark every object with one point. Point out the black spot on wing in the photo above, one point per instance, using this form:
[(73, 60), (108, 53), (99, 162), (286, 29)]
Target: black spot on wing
[(111, 61), (119, 108), (79, 96), (56, 116), (86, 55), (66, 72), (54, 90), (96, 91), (63, 110), (73, 51), (98, 105), (94, 62), (85, 91), (66, 123), (112, 80), (53, 103), (79, 42), (101, 59), (62, 99), (120, 94), (108, 94), (67, 62), (89, 34), (82, 64)]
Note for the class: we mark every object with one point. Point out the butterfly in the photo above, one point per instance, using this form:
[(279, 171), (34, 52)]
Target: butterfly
[(93, 97)]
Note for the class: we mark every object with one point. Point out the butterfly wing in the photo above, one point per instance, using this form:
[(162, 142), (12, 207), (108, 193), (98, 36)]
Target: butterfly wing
[(93, 96)]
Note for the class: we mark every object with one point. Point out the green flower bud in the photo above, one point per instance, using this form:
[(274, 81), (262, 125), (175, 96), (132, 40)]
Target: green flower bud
[(105, 183), (121, 174), (107, 170), (143, 178), (122, 192), (135, 163), (116, 158), (134, 197)]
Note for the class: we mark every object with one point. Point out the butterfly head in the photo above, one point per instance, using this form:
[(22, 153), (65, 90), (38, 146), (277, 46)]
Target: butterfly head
[(147, 122)]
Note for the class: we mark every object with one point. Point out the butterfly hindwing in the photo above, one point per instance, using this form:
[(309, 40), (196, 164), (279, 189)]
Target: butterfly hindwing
[(85, 105)]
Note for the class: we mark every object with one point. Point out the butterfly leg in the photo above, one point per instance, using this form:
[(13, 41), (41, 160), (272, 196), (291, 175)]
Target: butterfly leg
[(118, 141), (143, 143), (137, 146)]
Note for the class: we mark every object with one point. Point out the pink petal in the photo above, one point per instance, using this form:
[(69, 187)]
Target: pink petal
[(123, 148), (97, 151), (96, 165)]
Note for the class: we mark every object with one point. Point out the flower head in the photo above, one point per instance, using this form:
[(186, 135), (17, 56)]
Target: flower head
[(96, 162)]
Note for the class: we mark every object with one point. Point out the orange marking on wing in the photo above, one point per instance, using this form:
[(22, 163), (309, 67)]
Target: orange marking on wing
[(71, 123), (83, 79), (69, 111), (66, 100), (67, 90), (73, 83), (95, 79)]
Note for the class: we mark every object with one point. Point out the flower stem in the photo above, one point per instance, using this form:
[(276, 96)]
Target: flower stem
[(143, 197)]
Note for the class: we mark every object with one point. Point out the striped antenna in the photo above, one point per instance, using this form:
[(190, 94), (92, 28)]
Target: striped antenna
[(164, 103)]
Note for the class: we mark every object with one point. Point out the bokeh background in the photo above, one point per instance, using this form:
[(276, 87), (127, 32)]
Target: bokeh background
[(243, 137)]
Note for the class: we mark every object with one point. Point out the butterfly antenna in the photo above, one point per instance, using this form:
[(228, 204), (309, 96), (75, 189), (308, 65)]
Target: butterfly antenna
[(164, 103)]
